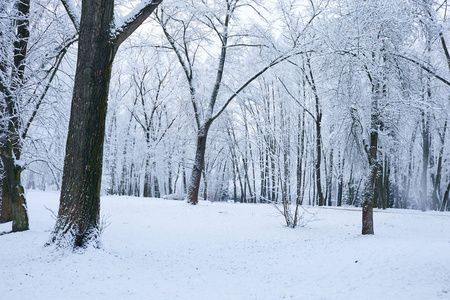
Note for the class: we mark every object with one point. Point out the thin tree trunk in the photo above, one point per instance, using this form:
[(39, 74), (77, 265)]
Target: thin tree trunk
[(184, 176), (437, 179), (169, 175), (445, 199), (341, 182), (386, 187), (318, 123), (196, 174), (330, 178), (425, 159), (300, 152), (147, 179)]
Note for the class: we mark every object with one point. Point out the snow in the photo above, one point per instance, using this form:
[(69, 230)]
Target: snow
[(165, 249)]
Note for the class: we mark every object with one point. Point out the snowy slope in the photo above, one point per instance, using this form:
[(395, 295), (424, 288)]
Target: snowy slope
[(163, 249)]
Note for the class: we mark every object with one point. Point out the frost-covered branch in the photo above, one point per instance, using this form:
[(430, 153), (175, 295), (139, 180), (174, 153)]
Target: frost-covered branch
[(53, 70), (185, 64), (253, 78), (425, 68)]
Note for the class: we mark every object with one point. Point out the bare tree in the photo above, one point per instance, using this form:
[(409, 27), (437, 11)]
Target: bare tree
[(220, 22)]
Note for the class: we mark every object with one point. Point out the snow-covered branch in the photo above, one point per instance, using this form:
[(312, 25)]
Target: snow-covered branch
[(74, 13), (127, 25)]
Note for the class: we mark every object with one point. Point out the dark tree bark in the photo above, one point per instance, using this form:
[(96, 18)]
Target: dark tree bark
[(78, 216)]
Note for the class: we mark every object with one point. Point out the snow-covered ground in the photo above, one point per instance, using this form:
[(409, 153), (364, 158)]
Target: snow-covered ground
[(164, 249)]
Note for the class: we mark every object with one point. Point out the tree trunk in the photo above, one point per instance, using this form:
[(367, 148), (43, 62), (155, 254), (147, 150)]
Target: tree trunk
[(367, 215), (318, 123), (147, 180), (369, 189), (156, 187), (184, 176), (372, 152), (194, 183), (13, 187), (425, 159), (330, 179), (78, 216), (445, 200), (387, 184), (341, 182), (5, 204), (169, 175), (437, 178)]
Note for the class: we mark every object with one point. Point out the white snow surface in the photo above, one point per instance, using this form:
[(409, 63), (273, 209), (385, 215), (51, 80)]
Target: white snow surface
[(166, 249)]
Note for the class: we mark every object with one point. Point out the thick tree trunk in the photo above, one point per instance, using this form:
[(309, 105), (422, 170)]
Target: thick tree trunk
[(194, 183), (78, 216)]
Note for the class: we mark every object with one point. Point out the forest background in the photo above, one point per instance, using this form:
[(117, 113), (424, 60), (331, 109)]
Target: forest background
[(313, 102)]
